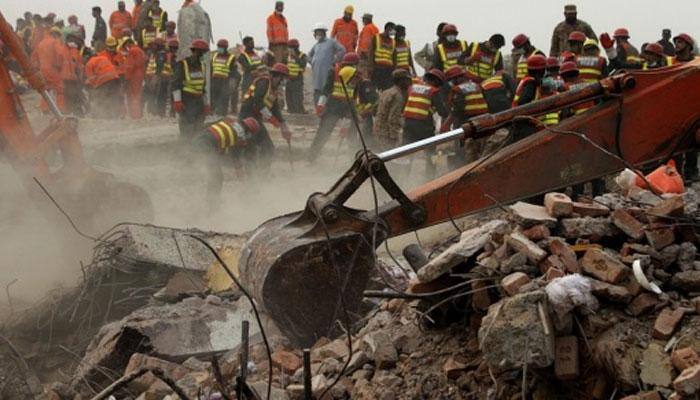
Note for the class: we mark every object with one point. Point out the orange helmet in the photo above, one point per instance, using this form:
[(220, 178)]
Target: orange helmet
[(552, 62), (577, 36), (536, 62), (351, 58), (449, 28), (520, 40), (567, 56), (293, 43), (684, 37), (621, 33), (568, 66), (281, 69), (199, 44), (251, 125), (454, 72), (222, 43), (436, 73), (655, 48)]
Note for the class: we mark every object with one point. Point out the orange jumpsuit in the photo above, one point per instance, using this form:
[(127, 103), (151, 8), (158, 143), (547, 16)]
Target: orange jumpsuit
[(118, 22), (135, 12), (346, 33), (135, 72), (49, 56)]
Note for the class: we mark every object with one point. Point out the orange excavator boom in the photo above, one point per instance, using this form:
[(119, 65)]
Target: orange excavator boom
[(308, 269)]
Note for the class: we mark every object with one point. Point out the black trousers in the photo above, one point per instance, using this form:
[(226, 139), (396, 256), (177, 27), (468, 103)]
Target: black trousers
[(220, 96), (295, 95), (191, 120)]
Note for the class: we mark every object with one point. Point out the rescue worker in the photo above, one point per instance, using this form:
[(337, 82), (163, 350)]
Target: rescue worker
[(105, 90), (189, 90), (369, 30), (119, 20), (296, 62), (249, 60), (403, 58), (159, 71), (159, 17), (530, 89), (381, 57), (260, 102), (575, 42), (571, 23), (466, 101), (388, 123), (570, 73), (522, 50), (425, 57), (223, 74), (666, 43), (134, 73), (99, 35), (72, 74), (173, 47), (684, 48), (224, 140), (654, 57), (424, 99), (169, 33), (136, 13), (345, 30), (498, 92), (278, 33), (485, 58), (453, 51), (148, 34), (627, 54), (552, 71), (332, 105), (74, 28), (591, 65), (49, 57)]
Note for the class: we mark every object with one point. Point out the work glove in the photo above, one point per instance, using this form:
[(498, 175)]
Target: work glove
[(320, 109), (606, 41), (446, 125), (207, 109), (275, 122), (178, 106)]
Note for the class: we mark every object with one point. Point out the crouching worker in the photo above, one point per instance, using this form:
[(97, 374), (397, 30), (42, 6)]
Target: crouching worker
[(225, 141)]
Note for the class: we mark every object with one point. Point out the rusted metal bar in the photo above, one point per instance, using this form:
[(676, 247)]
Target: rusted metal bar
[(243, 358)]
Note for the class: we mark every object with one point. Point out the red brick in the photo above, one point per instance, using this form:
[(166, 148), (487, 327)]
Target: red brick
[(480, 296), (512, 283), (590, 209), (552, 261), (643, 303), (670, 207), (684, 358), (602, 266), (554, 273), (666, 323), (688, 382), (659, 236), (537, 232), (566, 359), (566, 254), (287, 361), (558, 204), (615, 293), (628, 224)]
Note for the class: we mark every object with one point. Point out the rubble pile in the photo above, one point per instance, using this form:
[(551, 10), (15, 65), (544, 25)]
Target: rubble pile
[(569, 300)]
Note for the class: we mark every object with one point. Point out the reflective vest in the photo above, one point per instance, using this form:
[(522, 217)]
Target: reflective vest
[(450, 56), (485, 66), (226, 132), (384, 51), (294, 67), (152, 66), (269, 99), (521, 71), (420, 101), (494, 82), (590, 68), (167, 66), (631, 57), (253, 60), (548, 119), (221, 65), (158, 20), (403, 54), (667, 61), (338, 92), (194, 80), (147, 37), (474, 102)]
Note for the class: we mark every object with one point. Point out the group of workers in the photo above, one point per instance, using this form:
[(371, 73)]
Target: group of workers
[(357, 73)]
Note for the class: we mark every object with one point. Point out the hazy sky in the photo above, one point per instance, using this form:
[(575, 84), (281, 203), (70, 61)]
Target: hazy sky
[(476, 20)]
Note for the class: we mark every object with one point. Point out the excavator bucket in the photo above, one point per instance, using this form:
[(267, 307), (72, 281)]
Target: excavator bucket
[(307, 275)]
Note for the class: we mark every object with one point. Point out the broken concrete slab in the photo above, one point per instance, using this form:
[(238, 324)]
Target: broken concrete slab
[(588, 227), (522, 244), (528, 215), (518, 330), (380, 349), (558, 204), (656, 368), (471, 241), (182, 284)]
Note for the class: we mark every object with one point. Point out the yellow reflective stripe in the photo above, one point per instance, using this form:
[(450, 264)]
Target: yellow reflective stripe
[(222, 136), (474, 96), (476, 107), (151, 68), (253, 62), (221, 68), (192, 86), (419, 100), (444, 56), (550, 119), (383, 55), (403, 55), (415, 110)]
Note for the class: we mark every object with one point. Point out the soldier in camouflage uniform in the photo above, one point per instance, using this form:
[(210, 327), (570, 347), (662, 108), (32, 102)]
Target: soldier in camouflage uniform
[(388, 123), (562, 31)]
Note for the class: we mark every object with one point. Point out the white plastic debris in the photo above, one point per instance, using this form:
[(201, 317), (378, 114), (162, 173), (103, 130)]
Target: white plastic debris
[(626, 180), (569, 292), (642, 279)]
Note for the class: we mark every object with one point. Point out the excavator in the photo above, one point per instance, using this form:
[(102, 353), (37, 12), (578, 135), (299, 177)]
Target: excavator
[(94, 198), (308, 269)]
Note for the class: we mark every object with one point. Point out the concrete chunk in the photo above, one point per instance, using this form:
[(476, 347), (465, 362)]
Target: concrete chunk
[(528, 215), (590, 209), (520, 243), (558, 204), (587, 227)]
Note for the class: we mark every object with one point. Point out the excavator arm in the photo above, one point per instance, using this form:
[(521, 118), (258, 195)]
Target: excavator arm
[(309, 269)]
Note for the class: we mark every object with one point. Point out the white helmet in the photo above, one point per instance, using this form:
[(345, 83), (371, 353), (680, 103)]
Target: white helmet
[(320, 26)]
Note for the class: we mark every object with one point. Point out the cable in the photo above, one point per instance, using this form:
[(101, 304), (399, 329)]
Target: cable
[(252, 304), (65, 214)]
